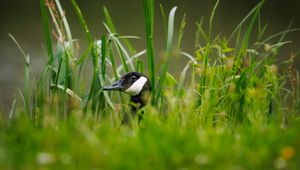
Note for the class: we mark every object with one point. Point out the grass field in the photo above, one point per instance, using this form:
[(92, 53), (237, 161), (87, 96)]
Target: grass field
[(234, 105)]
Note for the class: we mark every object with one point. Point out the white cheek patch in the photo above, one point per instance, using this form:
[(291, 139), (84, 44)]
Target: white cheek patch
[(137, 86)]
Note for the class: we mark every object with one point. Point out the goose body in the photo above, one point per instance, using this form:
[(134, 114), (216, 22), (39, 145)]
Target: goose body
[(138, 86)]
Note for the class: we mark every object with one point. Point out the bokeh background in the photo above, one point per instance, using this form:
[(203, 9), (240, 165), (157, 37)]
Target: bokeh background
[(21, 18)]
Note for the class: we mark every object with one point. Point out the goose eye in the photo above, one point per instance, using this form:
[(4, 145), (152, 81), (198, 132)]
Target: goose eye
[(133, 78)]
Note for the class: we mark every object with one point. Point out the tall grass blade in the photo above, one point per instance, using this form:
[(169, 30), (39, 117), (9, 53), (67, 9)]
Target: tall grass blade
[(121, 50), (66, 26), (245, 41), (13, 109), (27, 90), (181, 81), (56, 22), (149, 23), (181, 30), (106, 94), (68, 91), (207, 49), (134, 57), (171, 30), (140, 66), (95, 85), (200, 32), (168, 53), (212, 18), (110, 24), (254, 10), (103, 56), (112, 59), (22, 97), (83, 23), (242, 81), (47, 34), (164, 18), (109, 21), (279, 34)]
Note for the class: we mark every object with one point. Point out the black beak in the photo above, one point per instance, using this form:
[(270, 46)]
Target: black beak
[(117, 86)]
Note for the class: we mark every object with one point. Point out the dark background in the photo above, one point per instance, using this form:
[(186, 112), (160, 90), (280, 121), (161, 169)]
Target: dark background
[(22, 19)]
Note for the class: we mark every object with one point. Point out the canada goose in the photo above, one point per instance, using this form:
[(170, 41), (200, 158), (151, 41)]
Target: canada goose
[(138, 86)]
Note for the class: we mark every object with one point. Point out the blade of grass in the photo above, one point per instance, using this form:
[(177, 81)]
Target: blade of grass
[(66, 26), (258, 6), (149, 23), (45, 81), (86, 53), (140, 66), (191, 58), (200, 32), (181, 30), (279, 34), (12, 110), (181, 81), (106, 95), (136, 56), (168, 53), (171, 30), (47, 33), (95, 85), (261, 30), (109, 21), (27, 77), (112, 60), (22, 97), (164, 18), (204, 77), (284, 34), (212, 18), (83, 23), (245, 41), (103, 56), (69, 91), (121, 50), (242, 82), (110, 24), (53, 13)]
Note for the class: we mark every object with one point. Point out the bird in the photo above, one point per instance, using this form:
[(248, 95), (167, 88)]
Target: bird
[(138, 86)]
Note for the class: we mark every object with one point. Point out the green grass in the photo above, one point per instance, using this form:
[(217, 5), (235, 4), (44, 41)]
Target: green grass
[(163, 144), (232, 106)]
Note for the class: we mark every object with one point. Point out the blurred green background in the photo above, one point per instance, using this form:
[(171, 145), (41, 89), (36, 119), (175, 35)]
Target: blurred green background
[(22, 19)]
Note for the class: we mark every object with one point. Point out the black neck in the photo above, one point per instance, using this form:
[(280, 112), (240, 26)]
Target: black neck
[(138, 102)]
